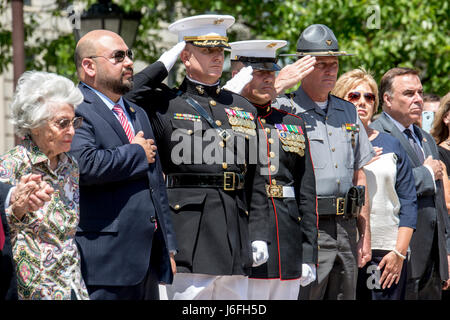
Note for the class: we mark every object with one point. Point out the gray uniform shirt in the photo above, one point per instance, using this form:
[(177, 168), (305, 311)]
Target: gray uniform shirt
[(338, 141)]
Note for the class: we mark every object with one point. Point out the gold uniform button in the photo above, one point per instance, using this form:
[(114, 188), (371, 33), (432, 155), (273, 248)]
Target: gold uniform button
[(224, 165), (246, 212), (189, 132), (221, 144), (177, 206), (213, 103), (299, 219), (272, 168), (218, 122), (274, 182), (333, 149), (272, 154), (336, 165), (267, 130), (270, 140), (263, 120)]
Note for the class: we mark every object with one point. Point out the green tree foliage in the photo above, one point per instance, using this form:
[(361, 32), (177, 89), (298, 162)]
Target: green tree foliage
[(382, 34)]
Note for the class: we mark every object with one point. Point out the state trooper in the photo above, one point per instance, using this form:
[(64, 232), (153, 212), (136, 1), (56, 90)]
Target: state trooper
[(339, 148), (218, 200), (289, 177)]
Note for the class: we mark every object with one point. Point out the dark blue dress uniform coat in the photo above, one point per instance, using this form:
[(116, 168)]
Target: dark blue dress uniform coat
[(123, 199), (214, 227), (293, 218)]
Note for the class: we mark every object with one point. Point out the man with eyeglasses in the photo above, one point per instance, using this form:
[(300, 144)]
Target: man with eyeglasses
[(339, 149), (125, 233)]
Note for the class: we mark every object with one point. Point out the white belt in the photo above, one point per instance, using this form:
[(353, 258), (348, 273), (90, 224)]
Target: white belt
[(277, 191)]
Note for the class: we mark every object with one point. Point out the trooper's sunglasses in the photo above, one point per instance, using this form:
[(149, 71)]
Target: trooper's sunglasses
[(65, 123), (354, 96), (118, 55)]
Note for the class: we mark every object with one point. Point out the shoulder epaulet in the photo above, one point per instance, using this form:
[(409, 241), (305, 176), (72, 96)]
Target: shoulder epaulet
[(332, 95), (285, 112)]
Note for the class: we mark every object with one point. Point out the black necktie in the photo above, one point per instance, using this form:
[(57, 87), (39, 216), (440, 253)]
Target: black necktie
[(414, 144)]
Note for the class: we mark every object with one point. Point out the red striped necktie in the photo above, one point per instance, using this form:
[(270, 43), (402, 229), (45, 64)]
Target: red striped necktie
[(124, 122)]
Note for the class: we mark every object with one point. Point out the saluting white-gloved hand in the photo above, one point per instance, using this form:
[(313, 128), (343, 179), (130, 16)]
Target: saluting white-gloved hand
[(169, 57), (260, 253), (308, 274), (240, 80)]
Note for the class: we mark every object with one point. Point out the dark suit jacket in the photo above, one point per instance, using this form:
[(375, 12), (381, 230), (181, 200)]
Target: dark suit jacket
[(8, 281), (432, 212), (121, 194)]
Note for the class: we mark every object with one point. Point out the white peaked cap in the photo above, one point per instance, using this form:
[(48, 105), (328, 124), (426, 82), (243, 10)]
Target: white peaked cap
[(202, 27), (256, 48)]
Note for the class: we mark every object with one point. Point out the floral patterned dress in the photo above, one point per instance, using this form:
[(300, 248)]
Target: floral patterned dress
[(46, 256)]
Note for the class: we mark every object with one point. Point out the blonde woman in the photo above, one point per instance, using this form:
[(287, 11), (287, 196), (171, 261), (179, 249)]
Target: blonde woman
[(392, 195)]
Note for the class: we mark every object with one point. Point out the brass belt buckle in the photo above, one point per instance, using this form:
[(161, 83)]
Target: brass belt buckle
[(229, 186), (340, 206), (275, 191)]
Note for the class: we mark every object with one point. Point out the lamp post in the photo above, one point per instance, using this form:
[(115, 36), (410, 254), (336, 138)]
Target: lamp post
[(109, 16), (18, 43)]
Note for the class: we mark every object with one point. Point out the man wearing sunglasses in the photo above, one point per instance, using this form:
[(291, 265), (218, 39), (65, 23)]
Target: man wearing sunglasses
[(339, 149), (125, 233)]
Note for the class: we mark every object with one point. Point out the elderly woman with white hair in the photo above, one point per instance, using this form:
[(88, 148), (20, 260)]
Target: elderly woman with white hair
[(46, 257)]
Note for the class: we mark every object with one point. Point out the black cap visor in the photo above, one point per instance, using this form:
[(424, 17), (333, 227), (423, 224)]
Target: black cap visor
[(266, 64)]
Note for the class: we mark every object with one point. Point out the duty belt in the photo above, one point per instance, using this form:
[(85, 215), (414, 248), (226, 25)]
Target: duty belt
[(330, 206), (228, 181)]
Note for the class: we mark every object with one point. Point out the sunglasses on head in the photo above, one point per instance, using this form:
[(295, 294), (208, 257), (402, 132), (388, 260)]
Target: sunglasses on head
[(118, 55), (354, 96), (65, 123)]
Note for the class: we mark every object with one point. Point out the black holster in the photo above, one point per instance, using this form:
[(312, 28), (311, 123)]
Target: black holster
[(354, 201)]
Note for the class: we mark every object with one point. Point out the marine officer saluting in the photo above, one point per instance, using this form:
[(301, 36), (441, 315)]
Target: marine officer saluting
[(339, 149), (218, 201), (289, 178)]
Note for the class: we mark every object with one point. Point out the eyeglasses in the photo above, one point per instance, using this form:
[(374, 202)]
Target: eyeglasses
[(118, 55), (65, 123), (354, 96)]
